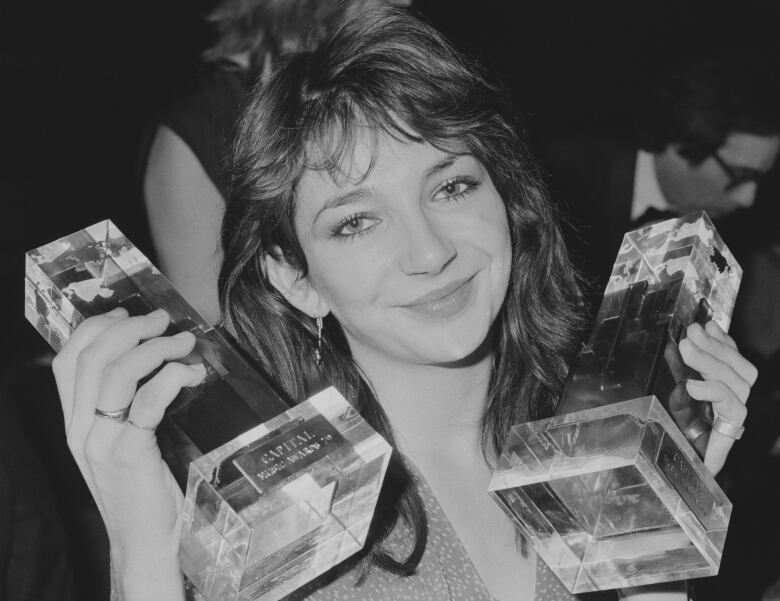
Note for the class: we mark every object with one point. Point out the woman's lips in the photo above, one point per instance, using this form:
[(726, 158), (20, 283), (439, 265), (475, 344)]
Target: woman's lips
[(444, 302)]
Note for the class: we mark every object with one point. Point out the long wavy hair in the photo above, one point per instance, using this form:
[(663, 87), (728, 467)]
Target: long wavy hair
[(400, 76)]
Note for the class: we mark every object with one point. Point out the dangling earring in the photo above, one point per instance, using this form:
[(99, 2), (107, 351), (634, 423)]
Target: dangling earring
[(318, 348)]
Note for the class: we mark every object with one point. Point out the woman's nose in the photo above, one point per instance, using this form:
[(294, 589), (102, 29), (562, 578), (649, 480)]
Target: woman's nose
[(427, 247)]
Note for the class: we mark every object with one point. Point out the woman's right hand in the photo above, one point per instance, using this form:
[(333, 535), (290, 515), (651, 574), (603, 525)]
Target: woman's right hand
[(140, 502)]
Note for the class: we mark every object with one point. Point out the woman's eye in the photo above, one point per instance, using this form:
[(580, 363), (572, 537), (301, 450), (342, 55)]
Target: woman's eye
[(353, 226), (455, 188)]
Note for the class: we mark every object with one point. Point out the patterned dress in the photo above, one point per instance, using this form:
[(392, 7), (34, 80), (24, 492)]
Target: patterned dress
[(445, 573)]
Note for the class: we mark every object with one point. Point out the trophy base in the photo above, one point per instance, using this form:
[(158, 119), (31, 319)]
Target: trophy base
[(613, 497), (282, 503)]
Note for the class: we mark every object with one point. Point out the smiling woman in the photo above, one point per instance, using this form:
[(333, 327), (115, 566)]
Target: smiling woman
[(387, 234), (421, 237), (386, 146), (380, 182)]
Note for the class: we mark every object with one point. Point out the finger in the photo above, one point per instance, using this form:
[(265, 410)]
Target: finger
[(64, 364), (713, 340), (712, 368), (728, 407), (117, 339), (120, 377), (64, 368), (746, 369), (713, 329), (86, 332), (717, 451), (150, 403), (131, 465), (724, 402)]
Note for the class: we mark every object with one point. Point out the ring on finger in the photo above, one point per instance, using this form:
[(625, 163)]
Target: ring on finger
[(119, 415), (135, 424), (727, 428)]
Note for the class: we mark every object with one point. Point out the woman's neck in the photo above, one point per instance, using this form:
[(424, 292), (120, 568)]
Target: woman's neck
[(432, 409)]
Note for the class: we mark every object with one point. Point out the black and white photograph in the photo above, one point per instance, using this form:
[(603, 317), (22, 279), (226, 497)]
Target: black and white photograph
[(390, 253)]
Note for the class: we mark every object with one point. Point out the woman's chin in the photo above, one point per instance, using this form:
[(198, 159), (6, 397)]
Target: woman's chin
[(463, 353)]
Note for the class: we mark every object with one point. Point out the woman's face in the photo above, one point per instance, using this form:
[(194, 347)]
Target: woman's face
[(412, 259)]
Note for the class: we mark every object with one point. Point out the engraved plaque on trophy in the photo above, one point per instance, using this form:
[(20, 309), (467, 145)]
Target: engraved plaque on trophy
[(611, 491), (276, 493)]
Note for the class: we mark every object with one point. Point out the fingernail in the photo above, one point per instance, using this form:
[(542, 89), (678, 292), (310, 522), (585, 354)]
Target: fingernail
[(184, 334), (118, 312), (694, 382), (158, 314), (694, 328), (199, 372)]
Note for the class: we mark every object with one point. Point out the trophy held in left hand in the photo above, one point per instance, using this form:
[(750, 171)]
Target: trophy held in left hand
[(276, 493)]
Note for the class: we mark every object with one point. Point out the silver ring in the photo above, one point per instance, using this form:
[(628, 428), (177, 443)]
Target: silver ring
[(727, 428), (695, 429), (120, 415), (140, 426)]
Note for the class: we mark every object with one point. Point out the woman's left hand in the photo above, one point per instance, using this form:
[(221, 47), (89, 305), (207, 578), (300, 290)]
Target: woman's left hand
[(728, 377)]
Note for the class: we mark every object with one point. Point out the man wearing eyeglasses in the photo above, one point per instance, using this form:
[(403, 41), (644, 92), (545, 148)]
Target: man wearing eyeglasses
[(723, 181), (706, 137), (708, 134)]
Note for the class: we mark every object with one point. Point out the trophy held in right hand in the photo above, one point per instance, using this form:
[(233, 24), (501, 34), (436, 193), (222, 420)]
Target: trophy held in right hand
[(611, 492)]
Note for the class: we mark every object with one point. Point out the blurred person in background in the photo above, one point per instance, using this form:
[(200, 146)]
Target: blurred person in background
[(185, 183), (707, 134)]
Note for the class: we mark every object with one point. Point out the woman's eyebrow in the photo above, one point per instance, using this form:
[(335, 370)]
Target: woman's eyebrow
[(440, 165), (342, 199)]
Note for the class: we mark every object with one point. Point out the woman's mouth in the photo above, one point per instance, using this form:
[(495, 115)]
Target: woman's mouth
[(445, 301)]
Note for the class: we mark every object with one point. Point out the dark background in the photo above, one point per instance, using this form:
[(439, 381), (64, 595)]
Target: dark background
[(81, 80)]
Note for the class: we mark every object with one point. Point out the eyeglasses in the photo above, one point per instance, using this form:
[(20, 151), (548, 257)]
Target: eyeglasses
[(738, 176)]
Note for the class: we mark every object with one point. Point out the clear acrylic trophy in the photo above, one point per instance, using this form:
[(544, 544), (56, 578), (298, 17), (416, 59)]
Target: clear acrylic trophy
[(275, 493), (611, 491)]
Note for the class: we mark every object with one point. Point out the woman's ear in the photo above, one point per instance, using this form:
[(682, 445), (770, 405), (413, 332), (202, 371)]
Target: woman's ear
[(297, 289)]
